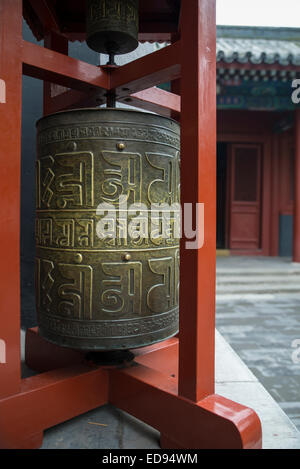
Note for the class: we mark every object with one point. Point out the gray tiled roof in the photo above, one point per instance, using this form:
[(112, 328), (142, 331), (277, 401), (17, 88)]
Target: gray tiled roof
[(258, 45)]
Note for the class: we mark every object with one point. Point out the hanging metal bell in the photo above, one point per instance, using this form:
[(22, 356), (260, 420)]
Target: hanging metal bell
[(112, 26), (96, 291)]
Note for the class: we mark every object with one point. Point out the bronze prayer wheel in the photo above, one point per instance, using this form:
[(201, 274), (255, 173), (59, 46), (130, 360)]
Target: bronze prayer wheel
[(112, 25), (102, 283)]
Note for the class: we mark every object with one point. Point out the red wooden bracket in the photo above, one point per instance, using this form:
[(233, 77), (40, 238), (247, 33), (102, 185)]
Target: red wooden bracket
[(151, 70), (156, 100), (46, 64), (66, 391), (48, 399), (174, 381), (212, 423)]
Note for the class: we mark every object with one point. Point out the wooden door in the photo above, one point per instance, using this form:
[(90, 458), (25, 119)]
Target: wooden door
[(245, 197)]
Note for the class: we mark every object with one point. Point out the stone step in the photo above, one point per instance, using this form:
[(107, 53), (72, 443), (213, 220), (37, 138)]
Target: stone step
[(258, 288), (258, 272), (227, 298)]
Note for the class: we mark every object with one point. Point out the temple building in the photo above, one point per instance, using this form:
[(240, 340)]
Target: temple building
[(258, 150)]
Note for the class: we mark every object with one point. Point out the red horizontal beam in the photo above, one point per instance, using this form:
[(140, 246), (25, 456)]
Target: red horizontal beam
[(155, 37), (212, 423), (156, 100), (46, 64), (75, 99), (148, 71), (48, 399), (89, 83), (157, 27), (46, 13)]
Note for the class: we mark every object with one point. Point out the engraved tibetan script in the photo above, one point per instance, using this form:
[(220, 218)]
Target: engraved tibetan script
[(117, 9), (123, 293), (164, 296), (164, 188), (76, 294), (44, 283), (65, 180), (122, 177)]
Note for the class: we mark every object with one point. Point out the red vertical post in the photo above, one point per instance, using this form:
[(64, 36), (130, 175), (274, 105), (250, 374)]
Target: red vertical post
[(10, 164), (60, 44), (198, 185), (175, 88), (296, 242)]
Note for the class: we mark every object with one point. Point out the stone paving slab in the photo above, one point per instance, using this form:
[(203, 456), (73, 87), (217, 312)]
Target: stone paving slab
[(256, 263), (235, 381), (262, 329)]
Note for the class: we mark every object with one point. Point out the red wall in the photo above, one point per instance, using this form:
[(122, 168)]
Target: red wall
[(260, 127)]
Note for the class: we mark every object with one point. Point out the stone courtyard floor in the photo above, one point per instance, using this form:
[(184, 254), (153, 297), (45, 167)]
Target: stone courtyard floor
[(263, 326)]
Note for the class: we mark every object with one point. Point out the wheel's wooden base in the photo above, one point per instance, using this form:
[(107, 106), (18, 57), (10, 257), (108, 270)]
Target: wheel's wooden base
[(147, 390), (33, 442), (166, 443)]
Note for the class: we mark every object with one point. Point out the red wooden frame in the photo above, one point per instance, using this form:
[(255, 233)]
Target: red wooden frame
[(171, 386), (156, 100)]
